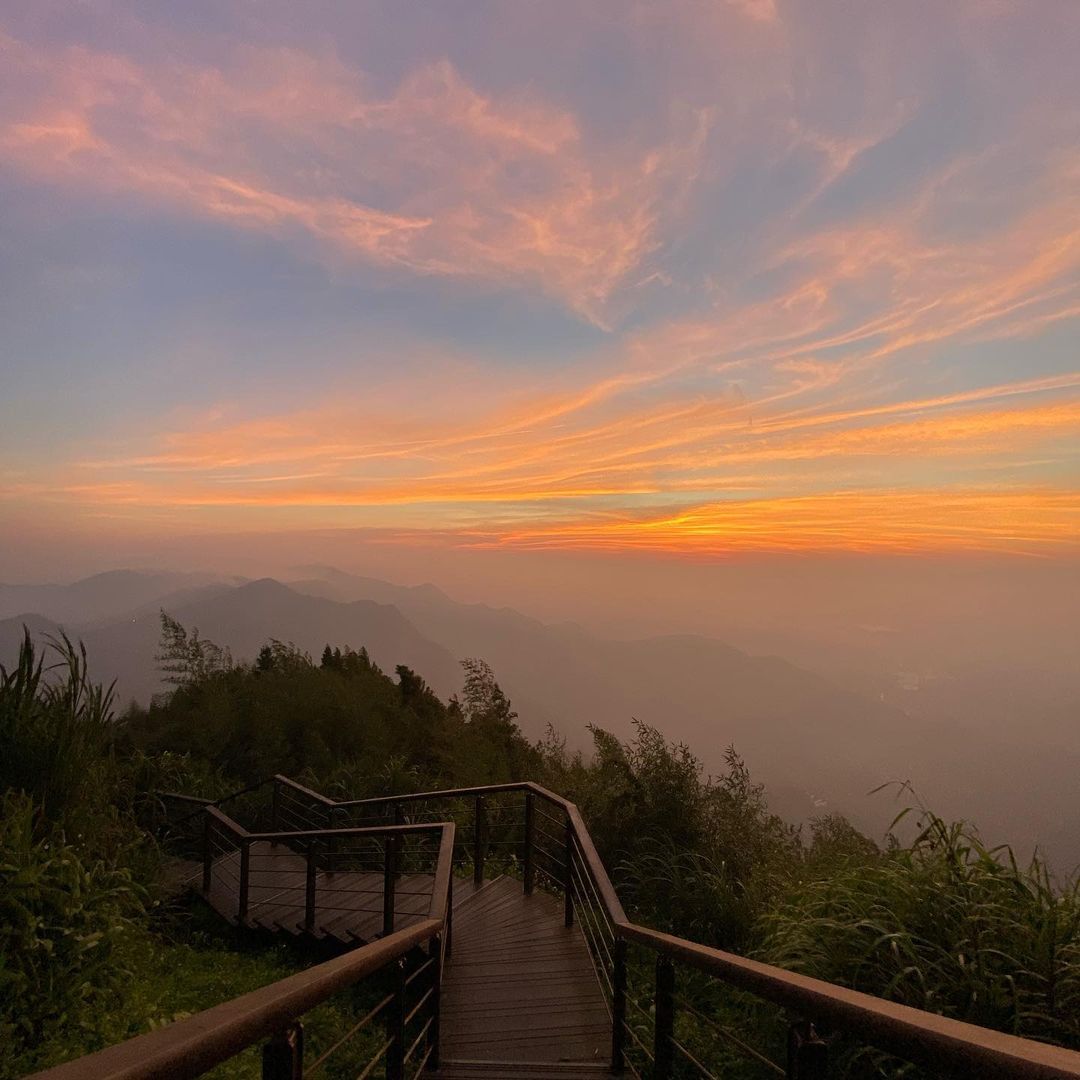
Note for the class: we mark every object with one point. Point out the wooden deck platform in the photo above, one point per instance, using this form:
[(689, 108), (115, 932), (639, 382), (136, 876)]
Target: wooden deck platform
[(348, 905), (520, 987)]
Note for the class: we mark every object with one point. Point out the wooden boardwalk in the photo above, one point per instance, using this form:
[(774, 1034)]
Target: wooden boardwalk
[(348, 904), (520, 986)]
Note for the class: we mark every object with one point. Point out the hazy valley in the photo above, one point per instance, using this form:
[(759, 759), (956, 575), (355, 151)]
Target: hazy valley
[(816, 743)]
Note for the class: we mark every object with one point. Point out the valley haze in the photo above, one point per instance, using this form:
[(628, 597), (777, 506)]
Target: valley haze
[(821, 733)]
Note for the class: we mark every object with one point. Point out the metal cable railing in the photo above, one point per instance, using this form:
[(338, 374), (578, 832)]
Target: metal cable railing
[(397, 978), (649, 1039), (656, 985)]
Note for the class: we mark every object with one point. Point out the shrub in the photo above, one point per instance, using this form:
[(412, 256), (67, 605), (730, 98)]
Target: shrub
[(62, 915)]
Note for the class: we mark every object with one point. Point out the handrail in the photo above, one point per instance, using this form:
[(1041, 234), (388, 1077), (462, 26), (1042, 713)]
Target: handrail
[(186, 1048), (309, 792), (281, 836), (311, 839), (220, 799), (913, 1034), (944, 1044), (195, 800), (448, 793), (201, 803), (592, 857), (442, 887)]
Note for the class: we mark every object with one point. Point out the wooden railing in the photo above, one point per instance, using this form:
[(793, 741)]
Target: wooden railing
[(381, 850), (544, 836), (557, 843), (401, 971)]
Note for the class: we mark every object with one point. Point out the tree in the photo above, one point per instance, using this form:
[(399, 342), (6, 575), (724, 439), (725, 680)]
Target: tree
[(484, 698), (281, 656), (186, 658), (412, 686)]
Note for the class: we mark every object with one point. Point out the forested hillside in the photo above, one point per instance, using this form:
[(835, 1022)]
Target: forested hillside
[(94, 947), (817, 745)]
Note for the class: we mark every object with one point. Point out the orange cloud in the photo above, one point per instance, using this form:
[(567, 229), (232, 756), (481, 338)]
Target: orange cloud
[(607, 456), (1024, 522)]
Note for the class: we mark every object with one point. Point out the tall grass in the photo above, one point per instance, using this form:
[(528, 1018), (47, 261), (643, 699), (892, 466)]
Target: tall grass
[(67, 852), (55, 731), (946, 924)]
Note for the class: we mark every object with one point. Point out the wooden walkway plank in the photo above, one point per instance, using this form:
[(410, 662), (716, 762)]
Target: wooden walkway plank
[(520, 987), (348, 903)]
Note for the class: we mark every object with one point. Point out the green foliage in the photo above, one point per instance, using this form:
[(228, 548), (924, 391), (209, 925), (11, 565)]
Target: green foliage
[(341, 722), (55, 730), (943, 924), (693, 854), (63, 915)]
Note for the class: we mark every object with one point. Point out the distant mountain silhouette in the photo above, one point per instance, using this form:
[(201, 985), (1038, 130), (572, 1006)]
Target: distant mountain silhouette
[(102, 596), (692, 688), (244, 618), (11, 633), (817, 747)]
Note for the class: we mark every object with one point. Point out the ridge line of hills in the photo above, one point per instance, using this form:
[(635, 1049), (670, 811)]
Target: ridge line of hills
[(815, 745)]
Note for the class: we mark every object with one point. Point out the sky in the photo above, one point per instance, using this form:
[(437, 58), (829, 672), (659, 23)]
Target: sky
[(692, 281)]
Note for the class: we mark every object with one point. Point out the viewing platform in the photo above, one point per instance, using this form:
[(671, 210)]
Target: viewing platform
[(480, 938)]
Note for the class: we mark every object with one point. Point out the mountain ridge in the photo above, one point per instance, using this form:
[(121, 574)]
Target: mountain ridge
[(816, 745)]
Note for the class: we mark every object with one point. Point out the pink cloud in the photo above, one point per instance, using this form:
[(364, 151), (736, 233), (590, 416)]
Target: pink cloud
[(436, 178)]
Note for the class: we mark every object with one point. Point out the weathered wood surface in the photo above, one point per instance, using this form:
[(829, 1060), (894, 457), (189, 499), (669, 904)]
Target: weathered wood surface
[(520, 986)]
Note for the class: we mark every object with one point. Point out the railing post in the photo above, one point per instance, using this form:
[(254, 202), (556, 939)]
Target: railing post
[(245, 873), (479, 829), (389, 873), (275, 808), (312, 871), (395, 1024), (808, 1053), (399, 814), (207, 855), (283, 1055), (450, 915), (568, 881), (530, 833), (329, 843), (436, 953), (664, 1019), (618, 1007)]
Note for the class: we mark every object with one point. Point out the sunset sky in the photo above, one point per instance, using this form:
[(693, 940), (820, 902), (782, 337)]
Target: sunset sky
[(693, 279)]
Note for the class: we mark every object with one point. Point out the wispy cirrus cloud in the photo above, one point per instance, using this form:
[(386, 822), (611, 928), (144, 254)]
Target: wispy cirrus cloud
[(1027, 522), (435, 178), (831, 286), (610, 462)]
